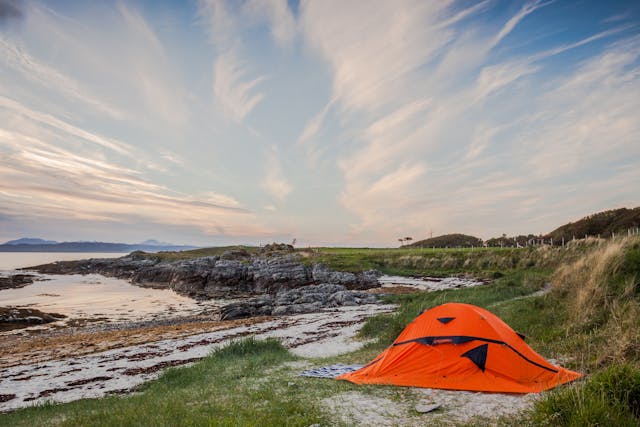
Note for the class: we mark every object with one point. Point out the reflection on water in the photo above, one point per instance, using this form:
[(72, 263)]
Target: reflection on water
[(93, 298), (13, 260), (97, 298)]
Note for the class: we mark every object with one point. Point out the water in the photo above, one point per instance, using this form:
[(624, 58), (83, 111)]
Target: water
[(13, 260), (92, 298)]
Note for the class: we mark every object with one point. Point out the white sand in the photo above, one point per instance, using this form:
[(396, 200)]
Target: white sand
[(355, 408), (456, 407), (429, 283), (329, 332)]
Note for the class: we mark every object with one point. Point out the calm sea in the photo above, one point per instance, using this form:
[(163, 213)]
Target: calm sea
[(95, 298), (13, 260)]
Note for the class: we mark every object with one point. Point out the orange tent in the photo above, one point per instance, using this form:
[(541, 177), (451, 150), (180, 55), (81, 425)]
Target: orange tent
[(462, 347)]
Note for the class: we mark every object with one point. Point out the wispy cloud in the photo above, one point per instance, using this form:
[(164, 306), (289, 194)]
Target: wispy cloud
[(453, 111), (508, 27), (61, 125), (278, 15), (49, 77), (40, 179), (412, 115), (237, 95), (275, 182)]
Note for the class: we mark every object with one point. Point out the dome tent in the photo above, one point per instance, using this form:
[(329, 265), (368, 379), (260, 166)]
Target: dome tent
[(462, 347)]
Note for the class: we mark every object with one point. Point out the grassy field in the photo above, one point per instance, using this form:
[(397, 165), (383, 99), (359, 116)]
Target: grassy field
[(579, 305)]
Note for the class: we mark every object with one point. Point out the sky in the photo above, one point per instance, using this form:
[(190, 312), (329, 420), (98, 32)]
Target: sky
[(337, 123)]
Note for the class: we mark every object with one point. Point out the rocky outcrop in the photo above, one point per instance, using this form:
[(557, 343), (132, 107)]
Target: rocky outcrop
[(321, 274), (16, 281), (14, 318), (229, 275), (304, 299)]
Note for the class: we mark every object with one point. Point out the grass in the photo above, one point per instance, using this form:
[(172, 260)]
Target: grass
[(609, 397), (227, 388), (415, 261), (196, 253)]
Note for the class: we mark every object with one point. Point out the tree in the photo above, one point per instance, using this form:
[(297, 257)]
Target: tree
[(401, 240), (408, 239)]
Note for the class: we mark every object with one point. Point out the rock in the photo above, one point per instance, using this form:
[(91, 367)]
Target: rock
[(16, 281), (306, 299), (276, 248), (14, 318), (363, 280), (236, 254), (271, 274), (261, 306), (235, 273), (427, 407)]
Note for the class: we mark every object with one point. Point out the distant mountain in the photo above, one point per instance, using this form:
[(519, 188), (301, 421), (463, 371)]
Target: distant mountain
[(30, 241), (448, 241), (599, 224), (21, 246), (154, 242)]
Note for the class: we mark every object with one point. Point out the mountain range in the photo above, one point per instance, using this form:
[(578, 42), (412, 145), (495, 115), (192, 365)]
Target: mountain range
[(30, 244)]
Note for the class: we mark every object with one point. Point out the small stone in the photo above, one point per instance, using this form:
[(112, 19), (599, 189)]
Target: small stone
[(423, 408)]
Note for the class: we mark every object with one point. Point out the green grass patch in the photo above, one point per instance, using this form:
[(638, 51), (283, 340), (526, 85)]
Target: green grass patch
[(196, 253), (609, 398), (229, 388)]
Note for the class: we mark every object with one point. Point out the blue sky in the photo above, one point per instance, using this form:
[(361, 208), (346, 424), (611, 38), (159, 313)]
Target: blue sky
[(335, 123)]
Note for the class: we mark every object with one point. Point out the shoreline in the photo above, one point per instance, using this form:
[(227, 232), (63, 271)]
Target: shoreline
[(78, 368)]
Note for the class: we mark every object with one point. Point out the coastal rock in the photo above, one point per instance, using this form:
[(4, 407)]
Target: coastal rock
[(16, 281), (306, 299), (271, 274), (261, 306), (14, 318), (363, 280), (235, 273)]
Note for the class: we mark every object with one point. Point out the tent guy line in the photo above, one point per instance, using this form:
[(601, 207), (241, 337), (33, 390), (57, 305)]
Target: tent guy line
[(461, 339)]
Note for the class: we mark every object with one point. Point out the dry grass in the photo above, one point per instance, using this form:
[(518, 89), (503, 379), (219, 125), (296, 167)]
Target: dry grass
[(600, 290)]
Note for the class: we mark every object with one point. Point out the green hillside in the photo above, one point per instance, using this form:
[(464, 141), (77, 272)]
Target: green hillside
[(601, 224), (448, 241)]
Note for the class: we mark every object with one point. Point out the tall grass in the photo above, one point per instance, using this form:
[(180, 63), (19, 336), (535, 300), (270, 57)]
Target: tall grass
[(609, 398), (601, 291), (601, 296)]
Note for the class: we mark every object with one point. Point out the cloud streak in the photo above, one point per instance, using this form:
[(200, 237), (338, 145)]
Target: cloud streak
[(275, 183), (236, 94)]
